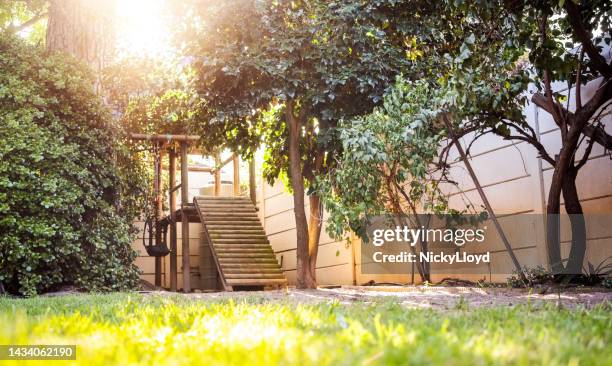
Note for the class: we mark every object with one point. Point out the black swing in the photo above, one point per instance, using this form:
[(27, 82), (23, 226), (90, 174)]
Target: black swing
[(154, 248)]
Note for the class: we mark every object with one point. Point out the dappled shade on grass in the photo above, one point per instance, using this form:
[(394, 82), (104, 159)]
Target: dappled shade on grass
[(162, 330)]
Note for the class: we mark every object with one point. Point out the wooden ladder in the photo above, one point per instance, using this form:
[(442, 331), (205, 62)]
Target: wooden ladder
[(238, 243)]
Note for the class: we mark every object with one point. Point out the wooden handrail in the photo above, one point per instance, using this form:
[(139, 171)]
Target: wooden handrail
[(217, 173), (236, 175), (198, 169), (218, 166), (162, 138)]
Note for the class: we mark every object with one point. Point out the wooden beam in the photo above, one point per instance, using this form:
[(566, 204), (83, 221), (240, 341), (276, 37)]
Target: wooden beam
[(158, 213), (217, 173), (185, 219), (220, 164), (236, 175), (164, 138), (252, 181), (197, 169), (173, 234)]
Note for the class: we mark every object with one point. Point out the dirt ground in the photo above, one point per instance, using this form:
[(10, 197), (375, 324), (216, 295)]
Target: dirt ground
[(423, 297)]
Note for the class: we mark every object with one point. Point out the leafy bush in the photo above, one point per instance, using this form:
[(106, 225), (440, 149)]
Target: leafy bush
[(66, 178), (535, 276), (592, 276)]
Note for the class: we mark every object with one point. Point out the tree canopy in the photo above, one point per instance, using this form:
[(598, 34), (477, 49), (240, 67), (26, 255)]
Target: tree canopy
[(286, 73)]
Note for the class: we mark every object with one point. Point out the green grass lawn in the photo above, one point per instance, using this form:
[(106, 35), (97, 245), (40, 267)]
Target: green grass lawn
[(134, 329)]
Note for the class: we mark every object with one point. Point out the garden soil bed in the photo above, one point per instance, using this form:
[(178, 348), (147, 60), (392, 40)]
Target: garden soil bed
[(423, 297)]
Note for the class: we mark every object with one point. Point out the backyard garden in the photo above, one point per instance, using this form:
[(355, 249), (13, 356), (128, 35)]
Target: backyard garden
[(360, 111)]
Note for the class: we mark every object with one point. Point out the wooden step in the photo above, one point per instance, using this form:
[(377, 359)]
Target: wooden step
[(251, 266), (243, 251), (240, 210), (230, 220), (240, 260), (237, 228), (212, 214), (230, 234), (224, 200), (246, 226), (246, 255), (252, 270), (256, 282), (241, 246), (237, 234), (240, 216), (240, 241), (214, 206), (254, 275)]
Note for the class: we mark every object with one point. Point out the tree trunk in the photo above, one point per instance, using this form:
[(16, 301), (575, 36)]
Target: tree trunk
[(425, 249), (400, 219), (563, 170), (574, 210), (84, 29), (314, 232), (552, 224), (304, 276)]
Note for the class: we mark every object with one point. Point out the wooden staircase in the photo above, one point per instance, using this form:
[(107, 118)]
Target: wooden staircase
[(238, 242)]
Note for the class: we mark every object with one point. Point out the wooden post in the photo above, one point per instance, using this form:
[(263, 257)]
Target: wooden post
[(158, 212), (236, 175), (172, 201), (185, 218), (217, 175), (252, 182), (485, 200)]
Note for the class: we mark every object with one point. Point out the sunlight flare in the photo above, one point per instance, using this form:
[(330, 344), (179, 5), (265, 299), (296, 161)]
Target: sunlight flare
[(143, 29)]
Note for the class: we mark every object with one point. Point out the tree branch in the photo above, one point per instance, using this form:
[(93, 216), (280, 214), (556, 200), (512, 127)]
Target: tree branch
[(585, 157), (557, 117), (30, 22), (595, 132), (535, 143), (579, 81), (602, 94), (575, 20)]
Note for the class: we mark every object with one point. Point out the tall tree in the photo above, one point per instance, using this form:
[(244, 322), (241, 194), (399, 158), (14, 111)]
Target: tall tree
[(286, 72), (387, 166), (84, 29), (507, 49)]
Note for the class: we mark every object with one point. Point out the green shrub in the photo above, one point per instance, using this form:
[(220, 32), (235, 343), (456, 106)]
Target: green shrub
[(535, 276), (67, 181)]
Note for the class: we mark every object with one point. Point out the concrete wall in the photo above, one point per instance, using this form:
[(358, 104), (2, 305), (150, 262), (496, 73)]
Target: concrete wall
[(516, 182), (334, 265)]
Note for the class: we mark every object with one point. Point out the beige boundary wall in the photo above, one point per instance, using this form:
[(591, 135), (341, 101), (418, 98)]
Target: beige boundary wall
[(515, 181)]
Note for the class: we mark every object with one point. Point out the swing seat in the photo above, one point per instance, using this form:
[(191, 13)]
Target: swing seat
[(158, 249)]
